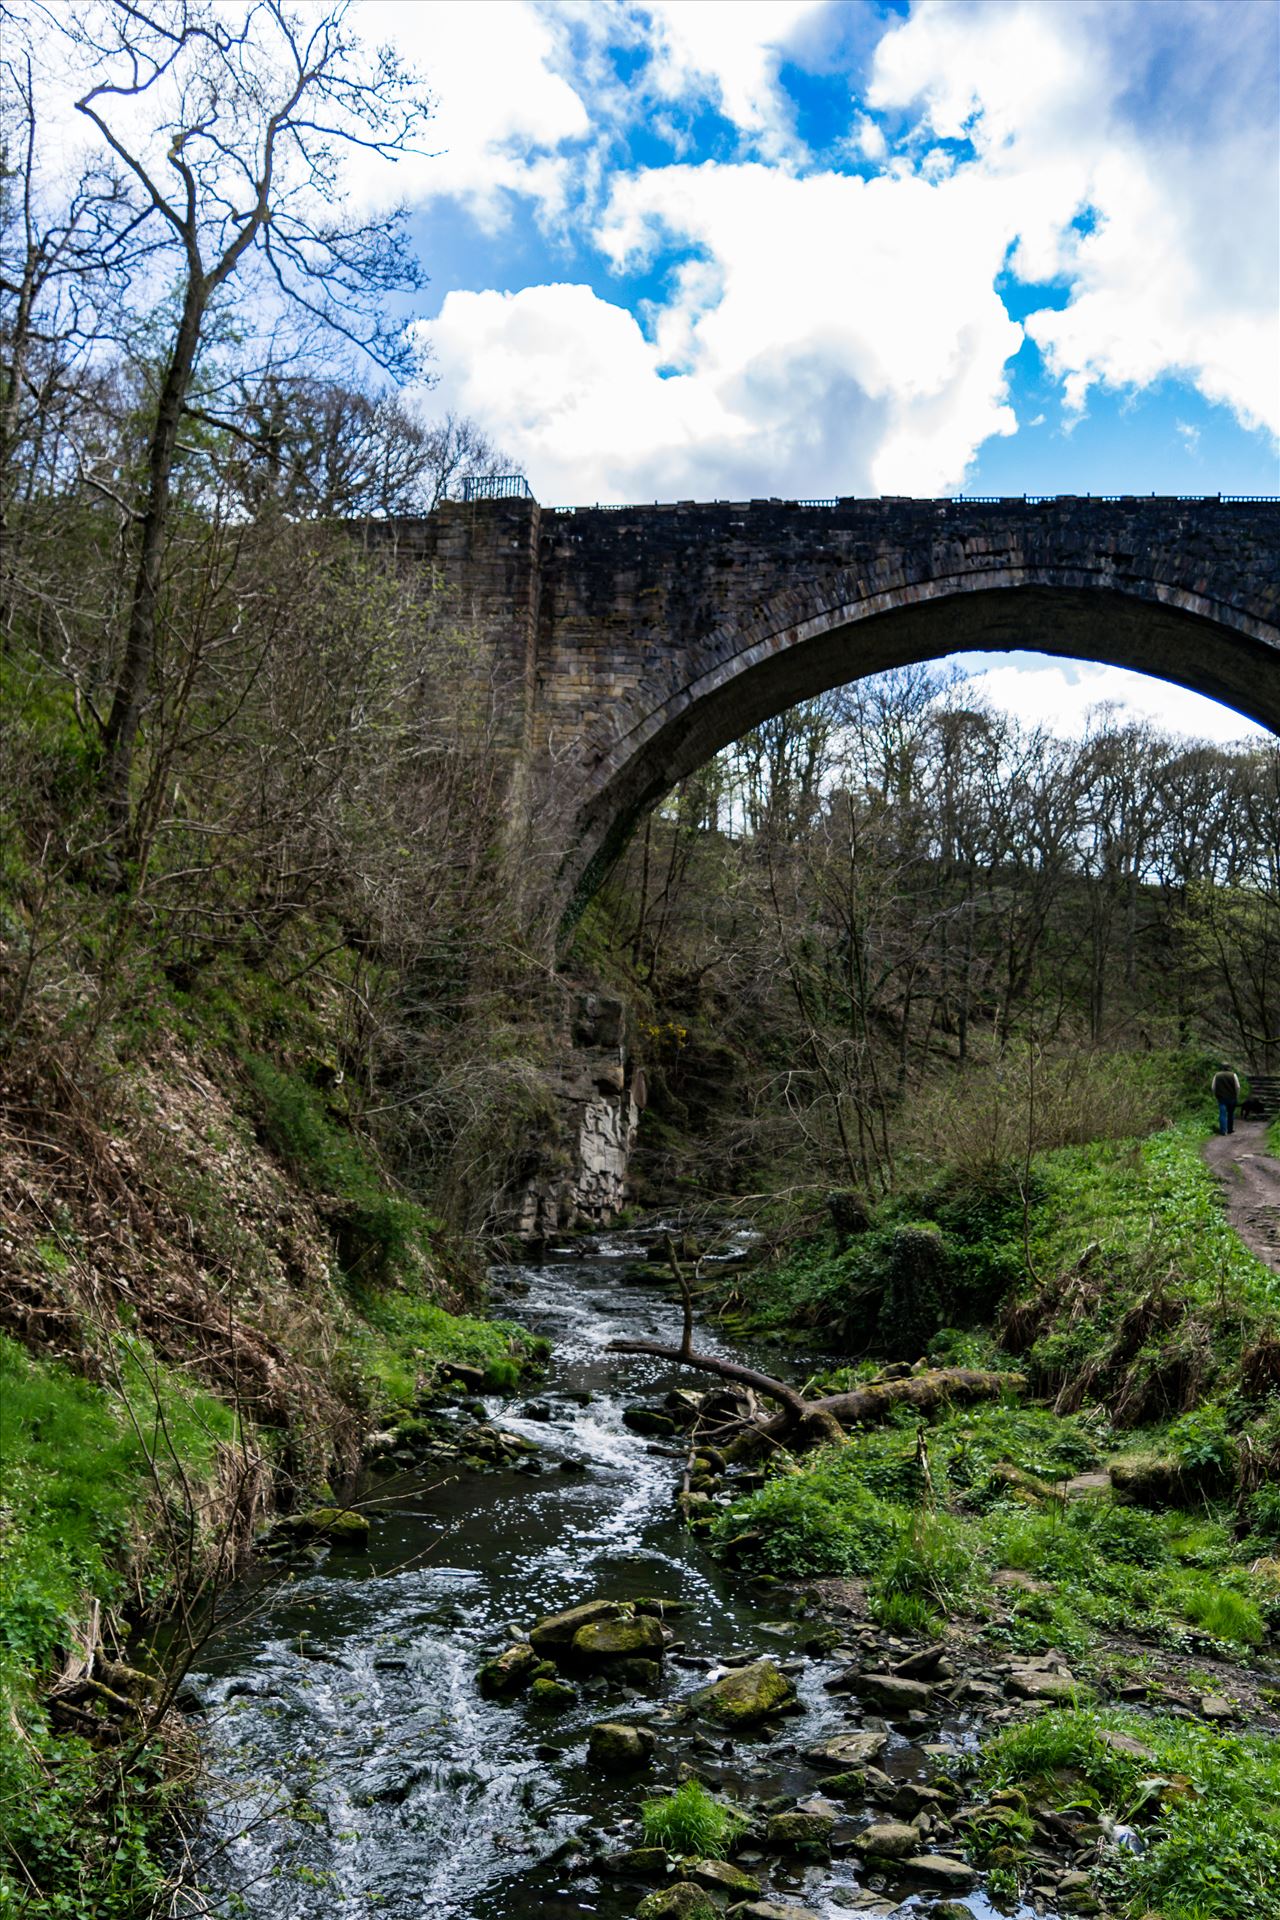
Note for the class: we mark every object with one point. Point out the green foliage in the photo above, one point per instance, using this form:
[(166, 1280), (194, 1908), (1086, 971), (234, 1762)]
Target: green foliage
[(939, 1252), (88, 1474), (400, 1342), (692, 1821), (1174, 1577), (817, 1521), (1203, 1444), (1208, 1804), (934, 1561), (1263, 1509), (381, 1235)]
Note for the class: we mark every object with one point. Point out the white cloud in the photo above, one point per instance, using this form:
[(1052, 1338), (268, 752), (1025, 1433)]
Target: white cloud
[(814, 354), (730, 48), (825, 334), (1061, 696), (507, 122), (1069, 109)]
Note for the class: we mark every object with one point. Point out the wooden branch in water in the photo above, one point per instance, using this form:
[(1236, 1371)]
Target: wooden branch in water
[(725, 1369), (827, 1417), (866, 1405), (686, 1338)]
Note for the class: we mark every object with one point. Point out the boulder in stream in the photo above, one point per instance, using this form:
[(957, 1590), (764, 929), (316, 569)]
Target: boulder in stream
[(616, 1747), (893, 1692), (509, 1673), (338, 1526), (889, 1840), (602, 1642), (746, 1694), (940, 1870), (551, 1696), (683, 1901), (801, 1832), (554, 1632), (848, 1750), (719, 1876), (650, 1421)]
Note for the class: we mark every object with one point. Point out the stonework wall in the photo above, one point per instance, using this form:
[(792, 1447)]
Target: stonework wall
[(633, 643)]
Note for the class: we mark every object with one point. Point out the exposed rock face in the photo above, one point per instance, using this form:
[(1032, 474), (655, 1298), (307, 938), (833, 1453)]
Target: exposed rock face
[(598, 1094)]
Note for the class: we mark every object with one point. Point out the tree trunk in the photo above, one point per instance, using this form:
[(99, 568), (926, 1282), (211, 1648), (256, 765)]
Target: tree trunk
[(826, 1418), (131, 690)]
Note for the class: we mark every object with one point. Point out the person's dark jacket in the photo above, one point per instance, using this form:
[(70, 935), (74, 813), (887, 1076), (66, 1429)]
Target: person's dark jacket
[(1226, 1087)]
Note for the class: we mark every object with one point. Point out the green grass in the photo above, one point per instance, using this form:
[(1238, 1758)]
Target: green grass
[(691, 1821), (399, 1342), (1177, 1578), (1207, 1804), (381, 1235), (1156, 1198), (87, 1474)]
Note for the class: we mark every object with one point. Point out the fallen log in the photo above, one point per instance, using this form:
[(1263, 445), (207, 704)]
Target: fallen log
[(826, 1418)]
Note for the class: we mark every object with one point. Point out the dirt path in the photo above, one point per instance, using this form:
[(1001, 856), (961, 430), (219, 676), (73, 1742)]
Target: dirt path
[(1251, 1181)]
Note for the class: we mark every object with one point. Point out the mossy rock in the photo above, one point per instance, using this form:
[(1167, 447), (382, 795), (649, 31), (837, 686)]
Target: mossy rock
[(745, 1695), (336, 1525), (600, 1642), (719, 1876), (683, 1901), (616, 1747), (648, 1421), (554, 1632), (551, 1696), (646, 1675), (799, 1832), (509, 1673)]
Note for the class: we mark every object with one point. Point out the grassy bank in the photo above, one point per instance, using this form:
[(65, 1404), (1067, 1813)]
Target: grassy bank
[(1206, 1805), (211, 1290), (1107, 1274)]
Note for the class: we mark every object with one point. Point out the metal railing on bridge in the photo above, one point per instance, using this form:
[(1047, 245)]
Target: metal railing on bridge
[(497, 486)]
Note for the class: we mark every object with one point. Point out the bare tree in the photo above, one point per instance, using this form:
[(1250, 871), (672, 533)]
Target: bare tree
[(324, 449), (249, 112)]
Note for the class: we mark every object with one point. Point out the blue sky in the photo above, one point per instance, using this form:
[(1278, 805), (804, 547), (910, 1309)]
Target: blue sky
[(727, 247), (732, 248)]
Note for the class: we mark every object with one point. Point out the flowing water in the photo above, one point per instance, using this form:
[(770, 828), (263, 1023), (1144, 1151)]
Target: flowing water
[(355, 1766)]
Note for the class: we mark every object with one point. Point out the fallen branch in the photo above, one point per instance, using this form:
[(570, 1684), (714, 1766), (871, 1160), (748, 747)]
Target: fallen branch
[(826, 1418)]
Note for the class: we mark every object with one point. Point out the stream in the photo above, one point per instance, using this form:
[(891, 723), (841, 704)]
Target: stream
[(355, 1766)]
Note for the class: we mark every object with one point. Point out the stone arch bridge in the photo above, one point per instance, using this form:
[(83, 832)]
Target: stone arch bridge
[(627, 645)]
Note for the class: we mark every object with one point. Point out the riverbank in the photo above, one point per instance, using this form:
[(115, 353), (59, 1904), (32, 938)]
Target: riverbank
[(358, 1751), (211, 1296)]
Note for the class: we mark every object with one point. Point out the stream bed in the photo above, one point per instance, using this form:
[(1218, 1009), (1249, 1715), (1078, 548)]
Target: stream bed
[(355, 1766)]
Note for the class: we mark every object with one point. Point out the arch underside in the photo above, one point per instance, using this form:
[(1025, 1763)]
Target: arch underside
[(1221, 653)]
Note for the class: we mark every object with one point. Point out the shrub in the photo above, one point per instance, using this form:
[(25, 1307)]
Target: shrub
[(692, 1821), (811, 1523), (380, 1235), (932, 1561), (1213, 1845)]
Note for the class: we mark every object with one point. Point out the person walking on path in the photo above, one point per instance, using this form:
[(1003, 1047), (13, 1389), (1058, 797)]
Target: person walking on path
[(1226, 1091)]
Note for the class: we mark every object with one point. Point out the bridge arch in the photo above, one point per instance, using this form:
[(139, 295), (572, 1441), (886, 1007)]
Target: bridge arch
[(628, 645), (792, 652)]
